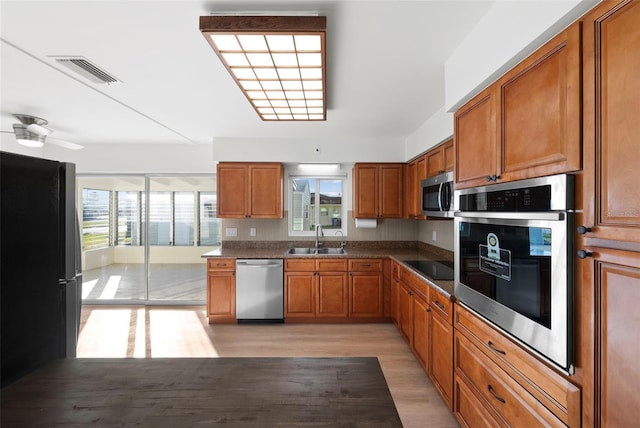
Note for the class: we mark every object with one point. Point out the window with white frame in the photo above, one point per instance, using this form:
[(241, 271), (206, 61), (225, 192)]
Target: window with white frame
[(175, 218), (96, 218), (316, 200)]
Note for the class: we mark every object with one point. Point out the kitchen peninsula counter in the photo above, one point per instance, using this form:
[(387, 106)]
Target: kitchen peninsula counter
[(400, 252)]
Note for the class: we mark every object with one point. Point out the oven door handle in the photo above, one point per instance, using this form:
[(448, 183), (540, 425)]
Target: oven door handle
[(550, 216)]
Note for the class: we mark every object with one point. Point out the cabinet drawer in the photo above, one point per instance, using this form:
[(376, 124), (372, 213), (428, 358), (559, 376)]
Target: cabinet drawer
[(331, 265), (413, 280), (300, 265), (221, 264), (545, 384), (470, 411), (498, 389), (365, 265), (441, 304)]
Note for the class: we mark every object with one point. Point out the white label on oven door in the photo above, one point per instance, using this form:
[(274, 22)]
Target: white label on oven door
[(494, 260)]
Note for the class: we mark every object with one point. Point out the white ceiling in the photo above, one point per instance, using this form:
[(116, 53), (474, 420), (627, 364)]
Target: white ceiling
[(385, 73)]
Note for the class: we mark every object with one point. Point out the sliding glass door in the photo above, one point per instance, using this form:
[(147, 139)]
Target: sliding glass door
[(132, 254)]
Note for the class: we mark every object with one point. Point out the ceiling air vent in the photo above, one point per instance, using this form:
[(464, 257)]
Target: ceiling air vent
[(86, 69)]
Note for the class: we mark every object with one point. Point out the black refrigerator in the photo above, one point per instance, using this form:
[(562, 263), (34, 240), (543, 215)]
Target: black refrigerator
[(40, 276)]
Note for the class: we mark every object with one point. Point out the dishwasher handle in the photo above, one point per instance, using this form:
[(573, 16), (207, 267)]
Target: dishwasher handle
[(252, 264)]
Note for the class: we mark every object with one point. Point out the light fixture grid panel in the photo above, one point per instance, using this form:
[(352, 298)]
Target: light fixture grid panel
[(257, 41)]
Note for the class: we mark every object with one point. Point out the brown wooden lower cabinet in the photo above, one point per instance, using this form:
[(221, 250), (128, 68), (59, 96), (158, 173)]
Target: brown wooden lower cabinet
[(441, 345), (366, 288), (326, 289), (507, 379), (421, 331), (315, 288), (615, 275), (499, 393), (221, 290)]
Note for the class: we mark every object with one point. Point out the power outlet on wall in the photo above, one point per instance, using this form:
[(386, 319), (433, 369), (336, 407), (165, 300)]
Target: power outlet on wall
[(434, 236), (252, 231), (231, 231)]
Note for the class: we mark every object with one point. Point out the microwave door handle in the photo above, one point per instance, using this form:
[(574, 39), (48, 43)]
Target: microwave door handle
[(445, 196), (440, 196)]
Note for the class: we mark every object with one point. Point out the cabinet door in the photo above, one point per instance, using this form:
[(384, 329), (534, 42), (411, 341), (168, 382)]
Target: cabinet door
[(441, 356), (332, 295), (266, 190), (421, 331), (390, 188), (476, 140), (365, 191), (541, 110), (221, 296), (615, 275), (411, 180), (448, 155), (611, 126), (435, 161), (299, 296), (366, 295), (233, 190), (406, 313)]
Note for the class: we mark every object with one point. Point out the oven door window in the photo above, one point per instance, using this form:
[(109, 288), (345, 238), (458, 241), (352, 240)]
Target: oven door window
[(510, 265)]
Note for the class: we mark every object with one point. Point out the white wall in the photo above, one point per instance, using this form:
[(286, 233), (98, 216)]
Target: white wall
[(304, 150), (433, 131)]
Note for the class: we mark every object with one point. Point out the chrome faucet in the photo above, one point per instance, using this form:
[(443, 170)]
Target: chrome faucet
[(342, 243), (321, 233)]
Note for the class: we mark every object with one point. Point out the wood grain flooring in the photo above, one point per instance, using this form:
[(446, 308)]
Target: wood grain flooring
[(175, 332), (192, 392)]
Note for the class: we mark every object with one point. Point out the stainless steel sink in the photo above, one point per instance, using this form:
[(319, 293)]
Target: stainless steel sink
[(316, 251)]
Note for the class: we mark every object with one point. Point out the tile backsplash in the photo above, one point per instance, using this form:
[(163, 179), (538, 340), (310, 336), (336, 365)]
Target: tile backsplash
[(386, 230)]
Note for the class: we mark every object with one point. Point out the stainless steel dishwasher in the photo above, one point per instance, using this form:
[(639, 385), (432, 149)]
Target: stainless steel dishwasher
[(259, 290)]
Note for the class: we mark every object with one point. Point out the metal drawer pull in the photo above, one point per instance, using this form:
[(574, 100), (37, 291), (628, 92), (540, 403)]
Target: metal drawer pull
[(497, 397), (494, 349), (439, 305)]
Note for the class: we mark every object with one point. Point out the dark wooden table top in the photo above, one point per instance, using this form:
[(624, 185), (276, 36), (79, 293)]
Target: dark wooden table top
[(188, 392)]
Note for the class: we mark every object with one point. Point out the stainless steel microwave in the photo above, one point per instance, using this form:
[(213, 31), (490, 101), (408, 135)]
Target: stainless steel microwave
[(437, 195)]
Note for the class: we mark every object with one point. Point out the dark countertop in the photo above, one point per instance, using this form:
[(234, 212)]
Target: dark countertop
[(398, 254)]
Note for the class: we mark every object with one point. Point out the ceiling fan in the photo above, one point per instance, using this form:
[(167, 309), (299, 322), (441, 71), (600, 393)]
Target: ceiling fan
[(31, 132)]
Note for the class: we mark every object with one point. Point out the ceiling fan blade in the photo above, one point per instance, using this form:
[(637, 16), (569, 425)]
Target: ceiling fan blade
[(65, 144), (34, 128)]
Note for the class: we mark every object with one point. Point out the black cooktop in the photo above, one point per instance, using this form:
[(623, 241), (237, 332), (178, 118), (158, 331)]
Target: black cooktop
[(440, 270)]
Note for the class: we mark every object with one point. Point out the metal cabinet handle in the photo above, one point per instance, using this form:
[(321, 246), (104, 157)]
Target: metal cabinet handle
[(440, 306), (494, 349), (496, 396), (583, 254), (583, 229)]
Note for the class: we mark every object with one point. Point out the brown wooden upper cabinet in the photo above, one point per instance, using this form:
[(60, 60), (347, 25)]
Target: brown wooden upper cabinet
[(378, 190), (250, 190), (527, 124), (415, 172), (439, 160)]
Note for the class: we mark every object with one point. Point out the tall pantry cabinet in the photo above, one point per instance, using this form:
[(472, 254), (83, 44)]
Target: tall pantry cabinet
[(608, 233)]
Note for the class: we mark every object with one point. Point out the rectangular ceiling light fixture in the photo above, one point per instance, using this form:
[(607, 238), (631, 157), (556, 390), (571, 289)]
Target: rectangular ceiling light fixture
[(277, 61)]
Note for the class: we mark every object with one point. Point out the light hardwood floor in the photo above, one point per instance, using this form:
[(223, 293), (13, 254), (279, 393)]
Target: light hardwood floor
[(139, 332)]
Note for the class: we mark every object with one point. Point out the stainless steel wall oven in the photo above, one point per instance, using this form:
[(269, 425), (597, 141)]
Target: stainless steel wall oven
[(513, 247)]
